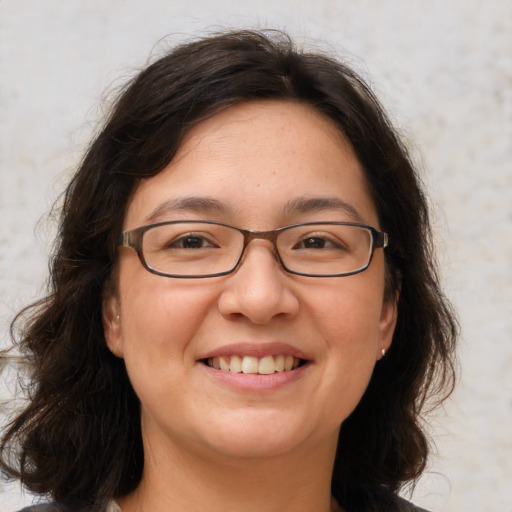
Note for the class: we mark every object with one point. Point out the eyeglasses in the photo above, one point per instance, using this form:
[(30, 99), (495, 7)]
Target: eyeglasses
[(197, 249)]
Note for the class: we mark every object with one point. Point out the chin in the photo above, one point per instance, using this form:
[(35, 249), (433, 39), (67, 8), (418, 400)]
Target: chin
[(254, 446), (258, 436)]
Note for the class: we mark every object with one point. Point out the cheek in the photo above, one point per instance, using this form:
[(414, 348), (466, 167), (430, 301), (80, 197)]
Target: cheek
[(160, 318), (157, 305), (347, 316), (351, 337), (347, 319), (160, 322)]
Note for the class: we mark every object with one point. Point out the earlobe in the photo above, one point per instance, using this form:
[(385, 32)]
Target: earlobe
[(387, 324), (112, 325)]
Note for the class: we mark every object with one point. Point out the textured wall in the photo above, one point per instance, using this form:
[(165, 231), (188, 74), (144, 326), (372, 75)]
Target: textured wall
[(444, 70)]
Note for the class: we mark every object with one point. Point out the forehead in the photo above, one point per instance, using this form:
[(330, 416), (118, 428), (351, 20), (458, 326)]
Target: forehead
[(254, 159), (265, 124)]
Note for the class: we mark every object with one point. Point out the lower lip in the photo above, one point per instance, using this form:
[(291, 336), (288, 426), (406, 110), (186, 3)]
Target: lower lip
[(255, 381)]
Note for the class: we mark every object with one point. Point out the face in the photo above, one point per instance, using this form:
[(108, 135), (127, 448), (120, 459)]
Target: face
[(254, 160)]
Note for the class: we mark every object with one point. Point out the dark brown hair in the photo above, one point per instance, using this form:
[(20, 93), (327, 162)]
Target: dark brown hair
[(78, 440)]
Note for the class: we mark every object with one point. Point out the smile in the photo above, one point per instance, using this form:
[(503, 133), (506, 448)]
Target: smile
[(249, 364)]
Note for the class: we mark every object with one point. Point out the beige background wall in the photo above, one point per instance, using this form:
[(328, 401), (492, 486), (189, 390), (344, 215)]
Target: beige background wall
[(444, 70)]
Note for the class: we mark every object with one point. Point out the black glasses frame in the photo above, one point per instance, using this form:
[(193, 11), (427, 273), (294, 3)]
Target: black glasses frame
[(133, 238)]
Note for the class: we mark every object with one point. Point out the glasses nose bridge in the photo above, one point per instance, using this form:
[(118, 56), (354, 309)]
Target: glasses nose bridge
[(270, 236)]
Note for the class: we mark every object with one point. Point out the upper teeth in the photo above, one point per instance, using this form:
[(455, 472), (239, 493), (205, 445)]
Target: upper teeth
[(250, 364)]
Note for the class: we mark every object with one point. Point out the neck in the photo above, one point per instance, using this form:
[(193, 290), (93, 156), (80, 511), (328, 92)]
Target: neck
[(188, 480)]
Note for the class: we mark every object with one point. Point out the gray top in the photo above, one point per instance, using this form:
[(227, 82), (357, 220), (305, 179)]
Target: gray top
[(405, 506), (48, 507)]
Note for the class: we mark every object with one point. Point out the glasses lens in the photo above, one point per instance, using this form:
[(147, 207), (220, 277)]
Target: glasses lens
[(325, 249), (191, 248)]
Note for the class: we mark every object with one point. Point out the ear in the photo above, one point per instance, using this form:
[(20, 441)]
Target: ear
[(387, 324), (112, 324)]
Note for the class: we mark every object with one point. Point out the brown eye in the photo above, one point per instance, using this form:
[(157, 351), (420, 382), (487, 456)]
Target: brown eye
[(313, 243), (319, 241), (189, 242)]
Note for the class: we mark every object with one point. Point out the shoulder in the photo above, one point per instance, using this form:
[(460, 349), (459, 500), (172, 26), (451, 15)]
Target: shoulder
[(50, 507), (381, 500), (406, 506), (46, 507), (55, 507)]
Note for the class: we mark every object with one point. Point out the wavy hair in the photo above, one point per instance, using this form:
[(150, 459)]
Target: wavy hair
[(78, 440)]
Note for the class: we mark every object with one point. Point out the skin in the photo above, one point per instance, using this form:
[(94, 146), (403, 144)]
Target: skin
[(208, 442)]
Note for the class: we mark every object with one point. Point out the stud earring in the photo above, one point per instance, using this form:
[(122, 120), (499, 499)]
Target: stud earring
[(383, 351)]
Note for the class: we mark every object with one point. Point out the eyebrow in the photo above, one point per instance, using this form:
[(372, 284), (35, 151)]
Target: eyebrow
[(317, 204), (187, 204), (208, 205)]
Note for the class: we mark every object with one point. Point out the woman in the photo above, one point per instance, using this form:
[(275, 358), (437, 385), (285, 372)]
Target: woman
[(244, 311)]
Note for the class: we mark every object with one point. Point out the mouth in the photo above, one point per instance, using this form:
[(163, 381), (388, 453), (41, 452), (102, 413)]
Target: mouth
[(247, 364)]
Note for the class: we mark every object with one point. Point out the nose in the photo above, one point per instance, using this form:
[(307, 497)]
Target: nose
[(259, 289)]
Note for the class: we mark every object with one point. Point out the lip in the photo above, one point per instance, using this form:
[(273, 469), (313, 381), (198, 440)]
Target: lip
[(255, 382), (256, 350)]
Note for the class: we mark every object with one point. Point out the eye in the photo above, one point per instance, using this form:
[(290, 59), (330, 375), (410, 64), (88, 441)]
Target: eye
[(313, 243), (320, 241), (190, 241)]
